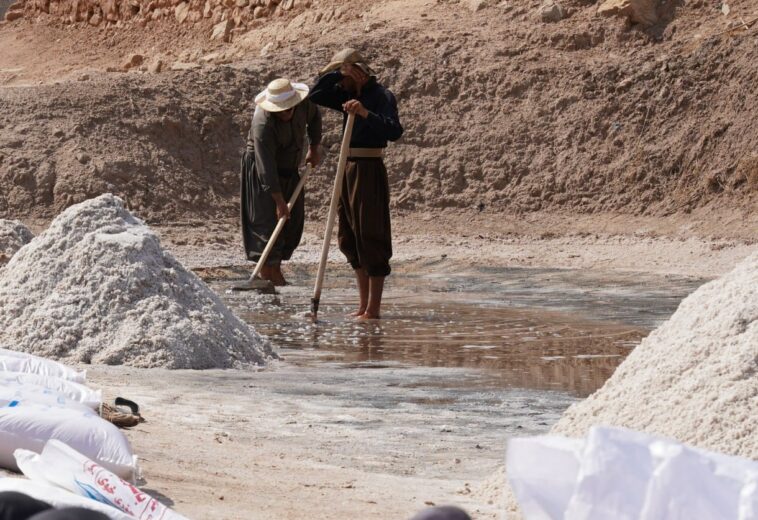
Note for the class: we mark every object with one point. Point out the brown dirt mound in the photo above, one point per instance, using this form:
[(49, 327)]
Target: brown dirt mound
[(502, 111)]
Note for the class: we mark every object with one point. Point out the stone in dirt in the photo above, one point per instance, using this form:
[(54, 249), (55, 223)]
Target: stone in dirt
[(97, 287), (156, 65), (12, 16), (478, 5), (638, 11), (13, 236), (222, 30), (83, 157), (182, 65), (132, 61), (181, 12), (551, 12), (267, 49), (694, 378)]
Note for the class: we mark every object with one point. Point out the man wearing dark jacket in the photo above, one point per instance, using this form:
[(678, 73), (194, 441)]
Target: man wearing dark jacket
[(349, 85)]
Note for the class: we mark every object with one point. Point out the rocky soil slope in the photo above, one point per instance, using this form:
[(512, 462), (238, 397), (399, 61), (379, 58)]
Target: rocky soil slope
[(508, 108)]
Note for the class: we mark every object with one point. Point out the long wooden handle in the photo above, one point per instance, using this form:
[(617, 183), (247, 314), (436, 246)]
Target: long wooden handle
[(280, 225), (336, 192)]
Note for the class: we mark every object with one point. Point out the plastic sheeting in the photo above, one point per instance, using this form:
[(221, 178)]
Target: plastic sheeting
[(627, 475)]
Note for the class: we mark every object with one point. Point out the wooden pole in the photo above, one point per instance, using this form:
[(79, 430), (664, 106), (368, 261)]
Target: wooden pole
[(336, 192)]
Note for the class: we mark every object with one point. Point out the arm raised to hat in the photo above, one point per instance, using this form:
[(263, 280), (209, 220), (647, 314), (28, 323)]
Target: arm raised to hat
[(327, 93)]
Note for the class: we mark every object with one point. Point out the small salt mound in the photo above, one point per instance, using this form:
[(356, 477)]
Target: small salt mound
[(97, 287), (13, 236), (695, 378)]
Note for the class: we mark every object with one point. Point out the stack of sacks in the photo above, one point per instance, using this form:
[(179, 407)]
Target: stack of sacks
[(63, 477), (42, 400)]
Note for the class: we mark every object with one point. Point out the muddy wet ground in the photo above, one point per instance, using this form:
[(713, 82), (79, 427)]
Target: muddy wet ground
[(379, 419), (533, 329)]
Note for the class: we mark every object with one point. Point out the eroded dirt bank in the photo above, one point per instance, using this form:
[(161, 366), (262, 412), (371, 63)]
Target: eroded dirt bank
[(502, 111)]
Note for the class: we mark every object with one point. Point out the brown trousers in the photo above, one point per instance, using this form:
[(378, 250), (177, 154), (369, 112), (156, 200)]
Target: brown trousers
[(365, 235)]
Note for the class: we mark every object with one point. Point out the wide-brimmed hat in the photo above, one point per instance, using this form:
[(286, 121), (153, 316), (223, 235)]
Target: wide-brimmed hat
[(350, 56), (281, 95)]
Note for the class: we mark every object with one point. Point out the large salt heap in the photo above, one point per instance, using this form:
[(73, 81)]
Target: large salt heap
[(13, 236), (97, 287), (695, 378)]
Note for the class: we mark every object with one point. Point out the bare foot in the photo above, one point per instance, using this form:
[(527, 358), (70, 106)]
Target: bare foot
[(279, 281), (368, 316), (357, 313), (277, 277), (266, 273)]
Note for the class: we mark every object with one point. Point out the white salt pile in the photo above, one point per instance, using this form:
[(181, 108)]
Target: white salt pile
[(695, 378), (97, 287), (13, 236)]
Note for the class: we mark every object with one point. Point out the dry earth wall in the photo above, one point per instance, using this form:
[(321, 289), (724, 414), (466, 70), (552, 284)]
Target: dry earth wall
[(502, 111), (233, 13)]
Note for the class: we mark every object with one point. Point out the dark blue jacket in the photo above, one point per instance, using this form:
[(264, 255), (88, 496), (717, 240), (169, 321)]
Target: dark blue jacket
[(382, 123)]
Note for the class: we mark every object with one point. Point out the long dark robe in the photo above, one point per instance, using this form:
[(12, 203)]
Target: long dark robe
[(259, 214), (274, 151)]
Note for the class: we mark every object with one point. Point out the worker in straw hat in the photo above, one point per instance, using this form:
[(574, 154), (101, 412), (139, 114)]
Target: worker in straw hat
[(276, 145), (349, 85)]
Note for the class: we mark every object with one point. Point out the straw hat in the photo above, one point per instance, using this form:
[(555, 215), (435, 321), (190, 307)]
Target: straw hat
[(281, 95), (350, 56)]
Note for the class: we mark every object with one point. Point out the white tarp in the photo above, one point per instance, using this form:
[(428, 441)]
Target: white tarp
[(62, 466), (627, 475)]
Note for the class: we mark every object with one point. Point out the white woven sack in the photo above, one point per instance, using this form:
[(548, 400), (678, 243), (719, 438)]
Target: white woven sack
[(12, 361), (68, 389), (29, 425)]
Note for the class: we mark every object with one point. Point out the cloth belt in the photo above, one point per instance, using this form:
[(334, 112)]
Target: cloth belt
[(366, 153)]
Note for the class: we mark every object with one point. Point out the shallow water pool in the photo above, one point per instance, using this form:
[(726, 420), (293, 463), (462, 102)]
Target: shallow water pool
[(533, 329)]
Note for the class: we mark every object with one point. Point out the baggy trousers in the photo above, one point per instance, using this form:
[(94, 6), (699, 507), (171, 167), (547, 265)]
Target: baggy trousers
[(258, 213), (365, 234)]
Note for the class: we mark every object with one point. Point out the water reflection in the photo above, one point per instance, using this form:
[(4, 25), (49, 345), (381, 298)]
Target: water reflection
[(532, 329), (517, 347)]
